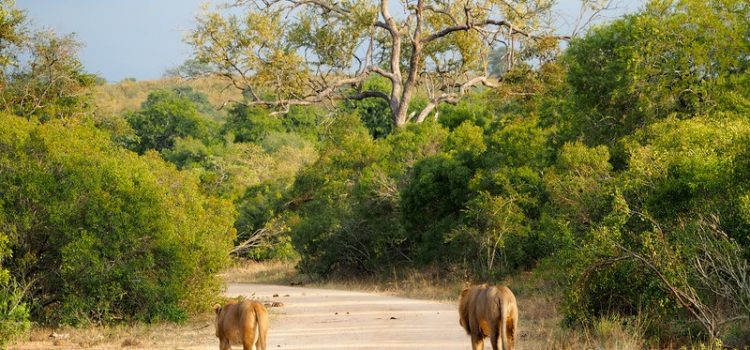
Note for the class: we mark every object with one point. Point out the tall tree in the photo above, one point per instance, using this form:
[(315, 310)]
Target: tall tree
[(301, 52)]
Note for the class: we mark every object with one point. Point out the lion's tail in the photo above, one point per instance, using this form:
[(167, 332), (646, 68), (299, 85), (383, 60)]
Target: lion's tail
[(262, 323)]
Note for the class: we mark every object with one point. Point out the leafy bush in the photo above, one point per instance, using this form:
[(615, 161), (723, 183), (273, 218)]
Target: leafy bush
[(349, 199), (165, 116), (103, 233), (14, 315), (375, 113), (665, 60)]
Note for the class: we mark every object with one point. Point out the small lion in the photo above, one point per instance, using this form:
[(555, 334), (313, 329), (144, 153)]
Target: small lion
[(236, 323), (489, 311)]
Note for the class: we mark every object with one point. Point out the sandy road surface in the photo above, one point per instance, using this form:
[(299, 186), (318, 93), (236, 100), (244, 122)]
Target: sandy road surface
[(331, 319), (309, 319)]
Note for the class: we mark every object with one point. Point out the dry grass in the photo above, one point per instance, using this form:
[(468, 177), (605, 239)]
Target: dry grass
[(272, 272), (127, 95), (410, 284), (197, 332), (606, 334), (426, 284)]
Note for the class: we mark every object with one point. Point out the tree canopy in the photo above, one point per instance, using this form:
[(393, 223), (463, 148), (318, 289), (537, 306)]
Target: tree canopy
[(290, 52)]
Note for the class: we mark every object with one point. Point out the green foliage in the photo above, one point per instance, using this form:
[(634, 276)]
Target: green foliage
[(675, 57), (51, 84), (327, 213), (12, 33), (249, 124), (579, 186), (432, 200), (655, 87), (166, 116), (103, 234), (199, 99), (255, 124), (493, 226), (375, 113), (473, 108), (680, 173), (349, 201), (14, 315), (260, 204)]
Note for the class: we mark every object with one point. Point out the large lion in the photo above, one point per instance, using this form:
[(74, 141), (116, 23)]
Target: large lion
[(236, 323), (489, 311)]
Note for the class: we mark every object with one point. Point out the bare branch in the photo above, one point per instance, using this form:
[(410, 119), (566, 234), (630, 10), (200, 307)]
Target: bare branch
[(500, 23), (368, 94), (453, 97), (383, 72), (255, 240), (685, 295)]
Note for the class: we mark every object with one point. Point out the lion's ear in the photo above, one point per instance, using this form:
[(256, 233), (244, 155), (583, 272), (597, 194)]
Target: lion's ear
[(464, 291), (217, 308)]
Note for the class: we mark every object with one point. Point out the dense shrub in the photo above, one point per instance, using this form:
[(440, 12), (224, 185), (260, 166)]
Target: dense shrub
[(100, 233), (677, 164), (666, 60), (14, 315), (166, 116), (349, 200)]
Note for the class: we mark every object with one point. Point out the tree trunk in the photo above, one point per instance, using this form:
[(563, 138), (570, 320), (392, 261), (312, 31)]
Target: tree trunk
[(399, 117)]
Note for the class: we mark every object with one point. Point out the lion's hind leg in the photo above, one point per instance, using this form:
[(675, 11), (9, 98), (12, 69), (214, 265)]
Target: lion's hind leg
[(249, 342), (477, 341), (510, 326), (248, 338), (508, 319), (510, 333), (262, 330), (494, 338)]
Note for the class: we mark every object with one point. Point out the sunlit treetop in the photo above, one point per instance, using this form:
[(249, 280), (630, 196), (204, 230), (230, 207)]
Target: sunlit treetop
[(301, 52)]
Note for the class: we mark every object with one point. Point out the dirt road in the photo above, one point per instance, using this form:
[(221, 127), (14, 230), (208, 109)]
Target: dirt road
[(330, 319), (309, 319)]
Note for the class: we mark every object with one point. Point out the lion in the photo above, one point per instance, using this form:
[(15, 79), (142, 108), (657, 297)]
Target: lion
[(489, 311), (236, 323)]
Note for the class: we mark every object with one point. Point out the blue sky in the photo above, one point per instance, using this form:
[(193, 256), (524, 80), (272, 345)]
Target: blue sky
[(143, 38)]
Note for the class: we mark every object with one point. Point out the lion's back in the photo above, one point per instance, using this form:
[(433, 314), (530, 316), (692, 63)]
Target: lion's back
[(480, 308), (236, 320)]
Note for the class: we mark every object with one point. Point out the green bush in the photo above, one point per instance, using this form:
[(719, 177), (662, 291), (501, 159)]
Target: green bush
[(103, 233), (166, 116), (375, 113), (432, 201), (14, 315), (666, 60), (349, 200)]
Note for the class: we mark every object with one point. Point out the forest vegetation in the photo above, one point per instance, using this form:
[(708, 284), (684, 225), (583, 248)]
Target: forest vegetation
[(614, 163)]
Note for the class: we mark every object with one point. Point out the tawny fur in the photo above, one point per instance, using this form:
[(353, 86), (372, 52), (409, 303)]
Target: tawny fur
[(236, 323), (489, 311)]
